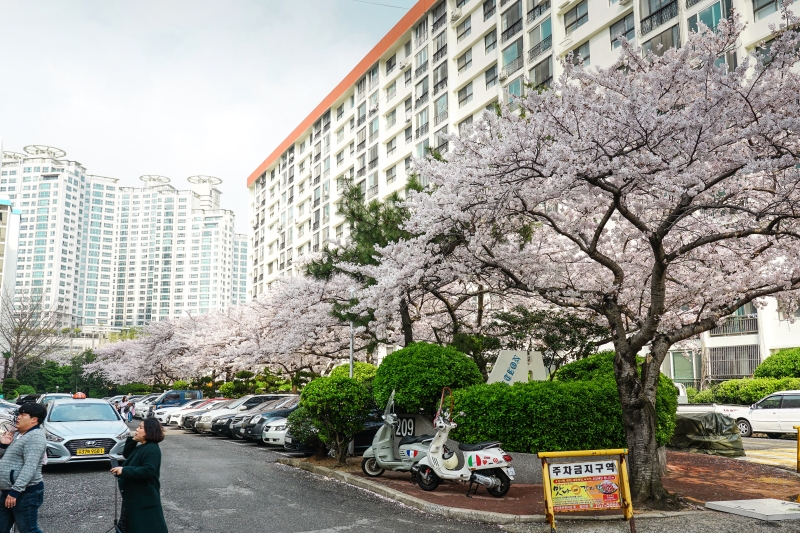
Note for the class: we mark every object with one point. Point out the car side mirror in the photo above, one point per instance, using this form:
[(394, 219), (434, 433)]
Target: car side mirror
[(753, 406), (243, 408)]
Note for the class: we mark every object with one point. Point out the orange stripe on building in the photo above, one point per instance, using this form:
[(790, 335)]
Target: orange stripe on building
[(405, 24)]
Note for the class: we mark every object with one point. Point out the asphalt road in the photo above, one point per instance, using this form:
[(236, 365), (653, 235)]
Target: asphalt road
[(217, 485)]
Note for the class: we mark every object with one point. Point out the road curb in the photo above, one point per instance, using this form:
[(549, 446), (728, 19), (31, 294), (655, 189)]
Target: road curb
[(457, 513)]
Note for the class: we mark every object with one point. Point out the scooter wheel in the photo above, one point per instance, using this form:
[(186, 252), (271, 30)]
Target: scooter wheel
[(427, 479), (370, 467), (505, 483)]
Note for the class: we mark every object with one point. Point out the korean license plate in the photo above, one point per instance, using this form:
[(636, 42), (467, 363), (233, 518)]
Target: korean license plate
[(90, 451), (511, 471)]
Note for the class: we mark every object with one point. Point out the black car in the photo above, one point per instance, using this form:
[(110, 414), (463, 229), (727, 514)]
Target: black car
[(253, 429), (221, 426), (28, 398)]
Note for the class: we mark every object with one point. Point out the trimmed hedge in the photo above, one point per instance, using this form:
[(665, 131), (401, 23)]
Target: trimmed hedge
[(579, 410), (745, 391), (781, 364), (417, 374)]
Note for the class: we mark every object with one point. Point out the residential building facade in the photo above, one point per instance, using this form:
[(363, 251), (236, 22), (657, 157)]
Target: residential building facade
[(107, 256)]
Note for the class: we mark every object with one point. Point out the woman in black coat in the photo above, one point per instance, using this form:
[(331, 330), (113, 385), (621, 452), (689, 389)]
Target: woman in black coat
[(139, 481)]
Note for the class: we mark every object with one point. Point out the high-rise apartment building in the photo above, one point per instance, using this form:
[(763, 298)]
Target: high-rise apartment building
[(435, 72), (108, 256)]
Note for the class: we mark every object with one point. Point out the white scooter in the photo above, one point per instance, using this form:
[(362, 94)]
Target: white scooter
[(484, 463)]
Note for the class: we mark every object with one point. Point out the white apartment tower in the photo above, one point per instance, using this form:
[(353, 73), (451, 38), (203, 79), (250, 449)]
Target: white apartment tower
[(111, 257), (436, 71)]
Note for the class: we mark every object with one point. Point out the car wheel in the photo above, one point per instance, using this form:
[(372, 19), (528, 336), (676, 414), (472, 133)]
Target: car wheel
[(745, 429), (370, 467), (505, 483), (774, 435), (427, 479)]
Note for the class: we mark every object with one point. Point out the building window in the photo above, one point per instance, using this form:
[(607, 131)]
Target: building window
[(489, 8), (440, 110), (581, 52), (542, 74), (624, 28), (490, 41), (463, 126), (391, 146), (464, 29), (407, 77), (512, 57), (541, 38), (576, 17), (422, 148), (515, 88), (763, 8), (391, 63), (464, 61), (511, 21), (710, 16), (339, 114), (662, 42), (391, 175), (491, 77), (465, 95)]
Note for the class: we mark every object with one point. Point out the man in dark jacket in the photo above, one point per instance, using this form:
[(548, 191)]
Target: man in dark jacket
[(21, 485)]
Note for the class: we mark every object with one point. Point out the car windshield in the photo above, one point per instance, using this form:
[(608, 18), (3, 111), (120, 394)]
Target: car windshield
[(220, 405), (88, 412)]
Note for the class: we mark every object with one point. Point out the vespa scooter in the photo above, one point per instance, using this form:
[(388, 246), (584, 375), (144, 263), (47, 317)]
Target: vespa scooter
[(484, 463), (381, 455)]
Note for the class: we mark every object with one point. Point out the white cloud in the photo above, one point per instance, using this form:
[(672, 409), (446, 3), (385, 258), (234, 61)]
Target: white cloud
[(175, 88)]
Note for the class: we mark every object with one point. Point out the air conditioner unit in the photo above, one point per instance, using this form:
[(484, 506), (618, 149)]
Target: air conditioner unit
[(408, 117), (503, 75), (404, 63), (456, 15)]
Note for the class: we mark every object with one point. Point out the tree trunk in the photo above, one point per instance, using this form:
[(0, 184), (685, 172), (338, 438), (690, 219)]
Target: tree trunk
[(341, 452), (637, 395), (405, 319)]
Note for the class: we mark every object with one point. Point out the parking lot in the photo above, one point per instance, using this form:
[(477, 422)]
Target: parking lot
[(780, 452), (211, 484)]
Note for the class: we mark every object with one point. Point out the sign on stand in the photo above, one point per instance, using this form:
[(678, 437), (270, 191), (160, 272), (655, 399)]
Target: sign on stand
[(599, 484)]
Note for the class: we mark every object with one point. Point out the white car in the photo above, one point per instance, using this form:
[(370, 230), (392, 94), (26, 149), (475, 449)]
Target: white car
[(141, 405), (244, 403), (774, 415), (162, 415), (176, 417), (83, 430), (274, 432)]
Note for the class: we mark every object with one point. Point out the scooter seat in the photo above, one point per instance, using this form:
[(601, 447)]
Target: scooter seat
[(478, 446), (410, 439)]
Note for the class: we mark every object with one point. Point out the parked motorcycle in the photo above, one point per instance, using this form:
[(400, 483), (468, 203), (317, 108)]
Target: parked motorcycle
[(485, 463), (381, 455)]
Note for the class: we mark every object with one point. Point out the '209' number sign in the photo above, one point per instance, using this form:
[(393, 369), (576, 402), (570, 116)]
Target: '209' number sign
[(512, 367), (405, 427)]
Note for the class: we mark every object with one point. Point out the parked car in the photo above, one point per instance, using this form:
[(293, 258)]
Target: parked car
[(254, 427), (203, 425), (46, 399), (117, 398), (162, 414), (292, 445), (83, 430), (775, 415), (28, 398), (239, 420), (176, 417), (173, 398), (221, 425), (141, 405), (190, 419), (274, 432)]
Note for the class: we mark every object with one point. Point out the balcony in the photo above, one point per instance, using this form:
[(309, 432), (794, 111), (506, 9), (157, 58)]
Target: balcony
[(316, 180), (514, 65), (441, 117), (442, 148), (361, 172), (373, 136), (441, 84), (657, 18), (545, 84), (316, 202), (421, 100), (421, 39), (538, 11), (372, 191), (315, 226), (281, 266), (736, 325), (729, 362), (361, 145), (420, 70), (326, 127), (373, 164), (362, 119), (540, 48), (438, 23), (488, 11), (373, 110), (422, 130), (690, 3), (503, 2), (511, 31), (361, 95), (440, 53)]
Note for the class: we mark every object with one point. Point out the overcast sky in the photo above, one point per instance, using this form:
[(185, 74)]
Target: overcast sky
[(175, 87)]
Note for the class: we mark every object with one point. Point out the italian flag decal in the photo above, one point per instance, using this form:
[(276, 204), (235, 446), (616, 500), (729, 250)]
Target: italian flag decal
[(474, 460)]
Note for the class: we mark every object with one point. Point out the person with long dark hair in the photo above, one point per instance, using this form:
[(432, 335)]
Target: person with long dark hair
[(139, 481)]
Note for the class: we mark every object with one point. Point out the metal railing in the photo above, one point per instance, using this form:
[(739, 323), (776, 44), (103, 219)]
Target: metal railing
[(372, 191), (361, 145), (514, 65), (438, 23), (315, 226), (690, 3), (511, 31), (441, 84), (373, 164), (728, 362), (422, 130), (538, 11), (316, 157), (361, 120), (420, 70), (736, 325), (421, 39), (421, 100), (503, 2), (361, 172), (659, 17), (545, 84), (442, 148), (540, 48), (441, 117), (440, 53)]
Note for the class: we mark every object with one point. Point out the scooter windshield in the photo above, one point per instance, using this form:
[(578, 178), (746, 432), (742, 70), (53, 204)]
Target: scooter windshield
[(389, 405), (445, 404)]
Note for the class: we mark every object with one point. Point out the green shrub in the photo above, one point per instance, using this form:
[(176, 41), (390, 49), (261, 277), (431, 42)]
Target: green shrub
[(578, 410), (134, 388), (338, 408), (691, 392), (25, 389), (704, 396), (782, 364), (300, 424), (418, 372), (364, 373), (745, 391), (181, 385), (10, 385)]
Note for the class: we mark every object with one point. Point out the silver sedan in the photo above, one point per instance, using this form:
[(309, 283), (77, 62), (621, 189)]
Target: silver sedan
[(82, 430)]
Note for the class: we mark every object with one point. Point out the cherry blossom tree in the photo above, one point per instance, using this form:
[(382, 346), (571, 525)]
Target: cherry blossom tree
[(660, 194)]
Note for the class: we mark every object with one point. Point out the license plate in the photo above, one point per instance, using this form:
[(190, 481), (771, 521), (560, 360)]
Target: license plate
[(511, 471), (90, 451)]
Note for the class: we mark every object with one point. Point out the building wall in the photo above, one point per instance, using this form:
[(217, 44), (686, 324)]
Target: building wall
[(111, 257), (415, 90)]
